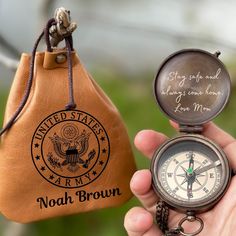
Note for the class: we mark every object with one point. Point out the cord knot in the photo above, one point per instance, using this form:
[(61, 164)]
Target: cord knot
[(63, 26)]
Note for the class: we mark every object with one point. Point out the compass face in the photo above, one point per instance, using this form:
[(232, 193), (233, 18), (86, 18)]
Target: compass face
[(190, 172), (184, 182)]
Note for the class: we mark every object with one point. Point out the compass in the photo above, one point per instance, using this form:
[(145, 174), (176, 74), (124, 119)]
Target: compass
[(190, 173)]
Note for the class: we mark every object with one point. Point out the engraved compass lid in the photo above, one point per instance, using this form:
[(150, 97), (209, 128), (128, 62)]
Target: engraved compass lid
[(192, 86)]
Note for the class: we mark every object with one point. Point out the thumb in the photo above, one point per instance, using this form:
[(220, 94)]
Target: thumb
[(139, 222)]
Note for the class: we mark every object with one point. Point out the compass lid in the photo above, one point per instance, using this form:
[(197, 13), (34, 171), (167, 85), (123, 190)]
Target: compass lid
[(192, 86)]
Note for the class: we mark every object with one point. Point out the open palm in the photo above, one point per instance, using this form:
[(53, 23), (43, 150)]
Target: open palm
[(219, 221)]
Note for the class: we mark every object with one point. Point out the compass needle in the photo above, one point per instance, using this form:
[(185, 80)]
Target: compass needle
[(208, 167)]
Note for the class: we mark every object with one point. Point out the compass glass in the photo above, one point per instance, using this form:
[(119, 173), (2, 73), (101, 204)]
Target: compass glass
[(190, 172)]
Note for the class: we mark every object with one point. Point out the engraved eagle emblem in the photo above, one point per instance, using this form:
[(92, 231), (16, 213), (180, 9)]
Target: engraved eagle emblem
[(72, 147)]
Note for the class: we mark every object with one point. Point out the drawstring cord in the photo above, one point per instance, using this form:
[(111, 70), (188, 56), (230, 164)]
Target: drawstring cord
[(69, 46), (50, 22), (27, 91), (71, 105)]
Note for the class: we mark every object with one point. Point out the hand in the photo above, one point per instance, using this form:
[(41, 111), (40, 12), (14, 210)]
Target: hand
[(219, 221)]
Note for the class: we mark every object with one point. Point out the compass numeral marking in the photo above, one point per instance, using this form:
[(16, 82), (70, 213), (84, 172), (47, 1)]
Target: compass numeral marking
[(205, 162), (169, 175), (176, 162), (205, 190), (190, 155), (190, 195), (212, 176), (175, 190)]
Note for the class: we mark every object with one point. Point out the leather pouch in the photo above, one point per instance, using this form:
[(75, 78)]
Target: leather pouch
[(58, 158)]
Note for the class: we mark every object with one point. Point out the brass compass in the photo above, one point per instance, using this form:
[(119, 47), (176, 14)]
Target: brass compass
[(190, 172)]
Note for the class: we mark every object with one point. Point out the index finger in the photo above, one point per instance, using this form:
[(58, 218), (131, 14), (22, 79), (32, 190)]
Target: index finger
[(147, 141)]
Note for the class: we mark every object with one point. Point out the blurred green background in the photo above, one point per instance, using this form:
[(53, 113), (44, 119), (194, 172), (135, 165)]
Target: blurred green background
[(125, 71)]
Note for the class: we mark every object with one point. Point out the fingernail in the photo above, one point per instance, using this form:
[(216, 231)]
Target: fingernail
[(140, 221)]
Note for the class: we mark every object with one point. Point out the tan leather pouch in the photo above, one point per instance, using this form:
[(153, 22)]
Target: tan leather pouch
[(54, 161)]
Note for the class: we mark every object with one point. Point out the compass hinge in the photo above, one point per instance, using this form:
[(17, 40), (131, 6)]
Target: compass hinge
[(196, 129)]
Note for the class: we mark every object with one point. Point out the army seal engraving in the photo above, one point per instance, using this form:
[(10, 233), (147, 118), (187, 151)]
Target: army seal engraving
[(70, 149)]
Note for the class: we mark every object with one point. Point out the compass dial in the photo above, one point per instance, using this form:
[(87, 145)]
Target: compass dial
[(190, 172), (184, 182)]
